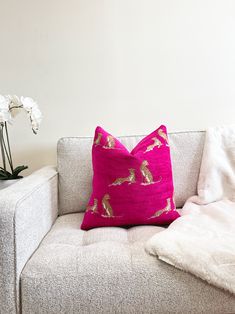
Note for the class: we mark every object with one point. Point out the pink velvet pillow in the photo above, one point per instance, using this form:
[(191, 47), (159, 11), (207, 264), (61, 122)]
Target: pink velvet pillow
[(131, 188)]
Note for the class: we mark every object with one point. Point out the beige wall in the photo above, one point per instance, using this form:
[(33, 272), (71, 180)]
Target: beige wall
[(127, 65)]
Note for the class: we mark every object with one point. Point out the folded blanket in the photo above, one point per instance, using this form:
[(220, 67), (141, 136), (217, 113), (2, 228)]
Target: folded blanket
[(202, 240)]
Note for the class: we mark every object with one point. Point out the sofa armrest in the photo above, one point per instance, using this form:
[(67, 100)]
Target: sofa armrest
[(28, 209)]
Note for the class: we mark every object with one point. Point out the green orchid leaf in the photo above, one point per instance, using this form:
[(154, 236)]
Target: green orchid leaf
[(17, 170), (3, 176), (6, 175), (2, 169), (5, 172)]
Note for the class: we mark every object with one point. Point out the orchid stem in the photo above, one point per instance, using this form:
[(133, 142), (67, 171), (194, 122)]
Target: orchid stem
[(16, 107), (7, 154), (2, 148), (9, 148)]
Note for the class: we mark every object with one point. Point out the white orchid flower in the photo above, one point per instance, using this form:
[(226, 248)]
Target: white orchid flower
[(15, 104), (5, 115), (28, 103), (10, 106), (15, 100), (34, 113), (36, 118), (4, 103)]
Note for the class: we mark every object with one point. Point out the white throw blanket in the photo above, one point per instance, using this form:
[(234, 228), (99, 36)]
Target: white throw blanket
[(202, 240)]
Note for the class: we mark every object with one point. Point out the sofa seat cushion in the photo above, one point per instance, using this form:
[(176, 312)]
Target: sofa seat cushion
[(106, 270)]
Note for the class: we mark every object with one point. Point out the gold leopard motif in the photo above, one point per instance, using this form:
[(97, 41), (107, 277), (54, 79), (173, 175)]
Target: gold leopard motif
[(148, 177), (130, 178), (110, 142), (98, 139), (93, 207), (106, 205), (164, 210), (164, 136), (156, 143)]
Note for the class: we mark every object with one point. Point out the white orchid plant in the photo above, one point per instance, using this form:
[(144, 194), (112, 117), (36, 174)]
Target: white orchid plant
[(10, 106)]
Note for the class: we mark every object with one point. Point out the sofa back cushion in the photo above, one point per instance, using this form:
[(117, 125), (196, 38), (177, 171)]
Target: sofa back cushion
[(75, 167)]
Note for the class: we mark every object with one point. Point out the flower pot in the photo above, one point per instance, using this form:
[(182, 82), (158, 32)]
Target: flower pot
[(5, 183)]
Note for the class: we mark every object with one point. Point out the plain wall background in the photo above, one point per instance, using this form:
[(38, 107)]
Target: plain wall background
[(127, 65)]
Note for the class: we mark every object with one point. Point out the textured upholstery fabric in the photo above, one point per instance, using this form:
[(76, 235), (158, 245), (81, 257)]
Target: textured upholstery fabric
[(28, 208), (75, 168), (131, 187), (107, 270)]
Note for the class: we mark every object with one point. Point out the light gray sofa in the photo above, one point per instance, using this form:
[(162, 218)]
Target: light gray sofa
[(49, 265)]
